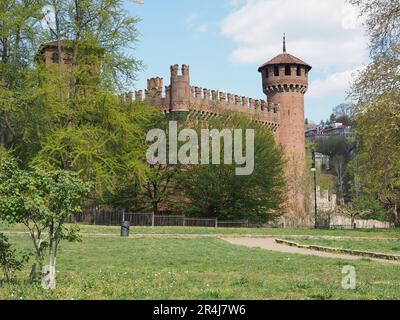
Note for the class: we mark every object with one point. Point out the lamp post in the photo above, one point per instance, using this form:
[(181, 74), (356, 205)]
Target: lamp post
[(314, 170)]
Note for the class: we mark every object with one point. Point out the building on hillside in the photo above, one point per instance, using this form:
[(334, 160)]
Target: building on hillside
[(322, 161), (327, 131)]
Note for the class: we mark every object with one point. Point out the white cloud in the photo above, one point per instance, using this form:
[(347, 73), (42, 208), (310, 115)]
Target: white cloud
[(326, 34), (334, 85)]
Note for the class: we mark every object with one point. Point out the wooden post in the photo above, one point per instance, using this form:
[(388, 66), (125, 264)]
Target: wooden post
[(216, 222), (152, 220), (184, 221)]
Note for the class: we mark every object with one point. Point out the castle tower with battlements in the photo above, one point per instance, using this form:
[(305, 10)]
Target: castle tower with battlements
[(203, 103), (285, 82)]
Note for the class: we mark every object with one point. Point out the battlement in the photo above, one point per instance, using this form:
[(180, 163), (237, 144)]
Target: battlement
[(181, 96)]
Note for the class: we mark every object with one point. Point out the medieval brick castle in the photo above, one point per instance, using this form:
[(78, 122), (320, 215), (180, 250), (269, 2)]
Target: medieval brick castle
[(284, 81)]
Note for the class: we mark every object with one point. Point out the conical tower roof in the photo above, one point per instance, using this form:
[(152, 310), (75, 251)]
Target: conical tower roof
[(285, 58)]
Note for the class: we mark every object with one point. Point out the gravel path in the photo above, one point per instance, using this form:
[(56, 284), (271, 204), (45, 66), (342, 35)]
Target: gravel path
[(271, 245)]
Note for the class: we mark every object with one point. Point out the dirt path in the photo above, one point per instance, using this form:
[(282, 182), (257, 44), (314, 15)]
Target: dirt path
[(271, 245)]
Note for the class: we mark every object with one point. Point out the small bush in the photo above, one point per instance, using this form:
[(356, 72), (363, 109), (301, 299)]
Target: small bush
[(9, 263)]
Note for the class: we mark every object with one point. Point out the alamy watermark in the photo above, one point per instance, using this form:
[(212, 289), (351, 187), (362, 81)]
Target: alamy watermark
[(349, 280), (196, 150)]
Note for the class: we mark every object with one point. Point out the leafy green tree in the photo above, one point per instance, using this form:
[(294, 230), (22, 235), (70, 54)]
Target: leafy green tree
[(377, 164), (104, 25), (377, 93), (216, 190), (72, 118), (374, 209), (19, 35), (44, 201), (157, 187)]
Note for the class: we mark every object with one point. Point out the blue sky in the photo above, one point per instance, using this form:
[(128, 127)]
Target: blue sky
[(224, 42)]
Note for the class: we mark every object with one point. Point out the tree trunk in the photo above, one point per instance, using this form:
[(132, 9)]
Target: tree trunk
[(49, 272), (38, 256), (155, 208), (32, 275), (2, 133), (6, 274)]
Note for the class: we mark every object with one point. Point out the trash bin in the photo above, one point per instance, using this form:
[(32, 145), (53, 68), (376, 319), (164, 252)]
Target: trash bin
[(125, 229)]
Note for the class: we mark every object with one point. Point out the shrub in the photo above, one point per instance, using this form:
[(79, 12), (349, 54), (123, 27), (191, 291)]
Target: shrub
[(9, 262)]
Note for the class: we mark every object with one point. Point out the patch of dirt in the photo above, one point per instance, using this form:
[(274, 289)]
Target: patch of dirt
[(271, 245)]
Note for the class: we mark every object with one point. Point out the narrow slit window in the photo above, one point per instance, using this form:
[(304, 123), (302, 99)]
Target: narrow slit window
[(287, 71), (276, 71), (55, 57)]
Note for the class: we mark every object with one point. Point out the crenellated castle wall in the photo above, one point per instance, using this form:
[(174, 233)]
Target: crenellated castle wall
[(179, 95)]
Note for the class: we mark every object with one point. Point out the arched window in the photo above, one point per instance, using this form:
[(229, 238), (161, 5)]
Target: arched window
[(276, 71), (288, 71), (55, 57)]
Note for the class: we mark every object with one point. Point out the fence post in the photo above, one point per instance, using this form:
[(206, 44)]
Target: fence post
[(216, 222), (152, 219), (123, 215), (184, 221)]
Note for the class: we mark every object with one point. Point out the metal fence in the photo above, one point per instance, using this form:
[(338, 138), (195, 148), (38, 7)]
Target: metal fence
[(114, 218), (111, 217)]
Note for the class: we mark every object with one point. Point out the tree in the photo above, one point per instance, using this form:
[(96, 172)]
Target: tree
[(344, 109), (73, 119), (382, 23), (19, 35), (44, 201), (104, 24), (340, 151), (216, 191), (377, 93), (378, 157), (332, 119), (353, 213), (158, 191), (374, 208), (345, 120), (339, 166), (9, 262)]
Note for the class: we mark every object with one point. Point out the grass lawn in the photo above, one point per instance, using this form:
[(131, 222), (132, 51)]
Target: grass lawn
[(87, 229), (381, 246), (202, 268)]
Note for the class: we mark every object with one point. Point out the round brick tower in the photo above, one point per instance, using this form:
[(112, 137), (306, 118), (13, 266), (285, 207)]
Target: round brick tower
[(285, 81)]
